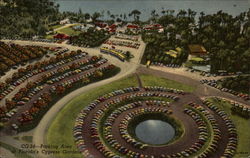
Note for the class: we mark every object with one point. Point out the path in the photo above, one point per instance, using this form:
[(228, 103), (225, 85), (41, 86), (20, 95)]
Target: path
[(201, 89)]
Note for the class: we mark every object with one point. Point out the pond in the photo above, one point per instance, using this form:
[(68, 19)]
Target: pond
[(154, 132)]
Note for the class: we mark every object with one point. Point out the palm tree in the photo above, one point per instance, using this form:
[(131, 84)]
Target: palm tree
[(112, 16), (201, 19), (182, 13), (136, 14), (95, 16)]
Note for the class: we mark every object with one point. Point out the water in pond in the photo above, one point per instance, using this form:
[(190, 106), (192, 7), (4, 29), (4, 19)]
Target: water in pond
[(154, 132)]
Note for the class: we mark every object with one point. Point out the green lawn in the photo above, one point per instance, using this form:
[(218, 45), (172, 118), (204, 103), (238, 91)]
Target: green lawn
[(61, 133), (15, 151), (69, 31), (149, 80), (56, 26), (243, 128), (48, 37), (197, 59), (27, 138), (61, 130)]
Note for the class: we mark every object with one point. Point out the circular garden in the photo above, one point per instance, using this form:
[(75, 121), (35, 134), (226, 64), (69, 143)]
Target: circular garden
[(153, 122)]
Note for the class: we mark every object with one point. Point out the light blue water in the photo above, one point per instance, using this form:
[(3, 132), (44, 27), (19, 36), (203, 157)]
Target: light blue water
[(233, 7), (154, 132)]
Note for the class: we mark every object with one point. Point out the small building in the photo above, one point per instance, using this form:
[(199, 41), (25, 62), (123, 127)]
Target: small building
[(101, 24), (157, 27), (196, 50), (132, 26), (64, 21), (112, 28), (83, 27)]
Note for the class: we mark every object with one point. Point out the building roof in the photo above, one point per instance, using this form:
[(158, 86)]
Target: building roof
[(174, 53), (61, 36), (196, 49), (133, 26), (153, 27)]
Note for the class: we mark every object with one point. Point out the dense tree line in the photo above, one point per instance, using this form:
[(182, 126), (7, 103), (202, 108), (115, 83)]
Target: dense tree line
[(226, 38), (239, 83), (91, 38), (26, 18)]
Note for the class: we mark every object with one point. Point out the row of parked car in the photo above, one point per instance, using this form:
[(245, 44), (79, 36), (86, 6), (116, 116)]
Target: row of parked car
[(202, 129), (123, 126), (83, 76), (111, 118), (26, 97), (232, 132), (68, 71), (240, 109), (127, 37), (24, 77), (216, 136), (107, 135), (27, 117), (62, 51), (166, 65), (214, 83), (31, 39), (164, 89), (128, 44), (109, 123), (121, 95)]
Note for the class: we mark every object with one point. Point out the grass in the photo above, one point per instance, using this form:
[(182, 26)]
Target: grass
[(149, 80), (49, 37), (14, 151), (56, 26), (242, 126), (69, 31), (27, 139), (197, 59), (16, 137), (61, 133)]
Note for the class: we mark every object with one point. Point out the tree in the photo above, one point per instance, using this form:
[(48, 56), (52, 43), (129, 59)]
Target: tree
[(95, 16), (9, 104), (136, 13), (98, 74), (85, 80), (60, 90), (28, 21), (87, 16), (128, 53), (30, 85)]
